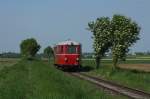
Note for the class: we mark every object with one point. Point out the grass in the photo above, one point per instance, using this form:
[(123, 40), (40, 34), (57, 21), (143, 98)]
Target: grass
[(128, 61), (38, 80), (131, 78)]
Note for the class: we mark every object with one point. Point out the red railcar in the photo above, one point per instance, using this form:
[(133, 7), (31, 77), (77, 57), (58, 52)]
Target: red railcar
[(67, 54)]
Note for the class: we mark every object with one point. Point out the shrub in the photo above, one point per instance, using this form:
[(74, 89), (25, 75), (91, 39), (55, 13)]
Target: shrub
[(29, 48)]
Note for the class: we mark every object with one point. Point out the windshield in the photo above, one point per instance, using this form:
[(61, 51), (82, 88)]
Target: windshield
[(71, 49)]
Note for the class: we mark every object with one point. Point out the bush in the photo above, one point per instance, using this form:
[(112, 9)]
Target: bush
[(29, 48)]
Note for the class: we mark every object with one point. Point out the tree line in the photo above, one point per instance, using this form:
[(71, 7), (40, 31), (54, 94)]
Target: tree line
[(85, 55)]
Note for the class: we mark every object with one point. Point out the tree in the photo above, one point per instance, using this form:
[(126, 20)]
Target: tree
[(29, 48), (125, 33), (48, 52), (101, 36), (119, 34)]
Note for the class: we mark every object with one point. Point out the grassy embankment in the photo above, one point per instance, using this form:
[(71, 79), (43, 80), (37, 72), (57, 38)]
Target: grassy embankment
[(38, 80), (131, 78)]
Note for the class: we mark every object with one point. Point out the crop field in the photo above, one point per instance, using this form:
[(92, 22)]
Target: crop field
[(6, 62), (39, 80), (134, 78), (139, 67)]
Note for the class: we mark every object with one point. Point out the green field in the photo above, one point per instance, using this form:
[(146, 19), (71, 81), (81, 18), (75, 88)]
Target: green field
[(39, 80), (131, 78)]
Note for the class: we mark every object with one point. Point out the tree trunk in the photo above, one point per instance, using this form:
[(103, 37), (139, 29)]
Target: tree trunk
[(97, 62), (115, 61), (49, 58)]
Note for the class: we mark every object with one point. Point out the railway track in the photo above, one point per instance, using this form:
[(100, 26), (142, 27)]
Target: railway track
[(117, 88)]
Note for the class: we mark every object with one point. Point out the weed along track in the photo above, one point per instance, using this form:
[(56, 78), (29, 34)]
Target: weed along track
[(113, 87)]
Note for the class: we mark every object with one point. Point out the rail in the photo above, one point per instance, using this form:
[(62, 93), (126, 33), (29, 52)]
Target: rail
[(120, 89)]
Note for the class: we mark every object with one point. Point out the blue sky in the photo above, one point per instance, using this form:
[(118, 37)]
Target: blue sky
[(52, 21)]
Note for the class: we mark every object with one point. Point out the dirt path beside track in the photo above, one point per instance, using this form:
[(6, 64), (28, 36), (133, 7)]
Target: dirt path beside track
[(140, 67)]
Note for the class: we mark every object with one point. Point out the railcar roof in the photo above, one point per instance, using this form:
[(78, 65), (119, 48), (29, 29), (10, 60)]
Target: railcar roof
[(69, 42)]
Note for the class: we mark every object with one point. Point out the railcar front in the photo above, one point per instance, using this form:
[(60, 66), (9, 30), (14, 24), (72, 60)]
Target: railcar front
[(68, 54)]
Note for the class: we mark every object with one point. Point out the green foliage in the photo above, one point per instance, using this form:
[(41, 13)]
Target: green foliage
[(125, 34), (29, 48), (38, 80), (48, 52), (101, 36), (118, 34)]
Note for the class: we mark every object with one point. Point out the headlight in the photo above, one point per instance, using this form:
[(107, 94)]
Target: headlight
[(77, 59), (65, 59)]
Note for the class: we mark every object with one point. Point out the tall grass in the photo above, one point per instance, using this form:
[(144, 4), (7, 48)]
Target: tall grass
[(37, 80), (131, 78)]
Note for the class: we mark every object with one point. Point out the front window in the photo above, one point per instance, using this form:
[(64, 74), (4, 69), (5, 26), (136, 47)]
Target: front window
[(71, 49)]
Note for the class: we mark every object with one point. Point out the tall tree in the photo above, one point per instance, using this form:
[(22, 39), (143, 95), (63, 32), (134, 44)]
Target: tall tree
[(29, 48), (125, 33), (48, 52), (101, 36)]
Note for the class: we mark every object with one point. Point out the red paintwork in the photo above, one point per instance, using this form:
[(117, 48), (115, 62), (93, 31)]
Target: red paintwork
[(72, 59)]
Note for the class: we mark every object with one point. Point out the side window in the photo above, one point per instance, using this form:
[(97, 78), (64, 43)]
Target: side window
[(57, 50), (77, 50), (61, 49)]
